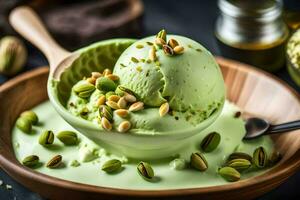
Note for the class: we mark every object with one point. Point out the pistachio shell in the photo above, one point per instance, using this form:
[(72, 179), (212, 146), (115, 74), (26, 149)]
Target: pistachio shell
[(30, 161), (198, 161), (260, 157), (83, 89), (239, 164), (121, 91), (145, 170), (31, 116), (112, 165), (105, 111), (162, 34), (46, 138), (210, 142), (54, 162), (24, 125), (239, 155), (230, 174), (67, 137)]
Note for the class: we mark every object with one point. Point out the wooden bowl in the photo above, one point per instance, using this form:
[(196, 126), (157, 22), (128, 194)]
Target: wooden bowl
[(256, 92)]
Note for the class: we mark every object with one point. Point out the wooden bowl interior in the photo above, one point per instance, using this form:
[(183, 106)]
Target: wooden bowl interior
[(256, 92)]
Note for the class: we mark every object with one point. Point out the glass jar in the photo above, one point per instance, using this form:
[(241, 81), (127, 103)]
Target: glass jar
[(252, 31)]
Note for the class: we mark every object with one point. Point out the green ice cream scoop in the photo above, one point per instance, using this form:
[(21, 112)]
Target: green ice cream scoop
[(191, 82)]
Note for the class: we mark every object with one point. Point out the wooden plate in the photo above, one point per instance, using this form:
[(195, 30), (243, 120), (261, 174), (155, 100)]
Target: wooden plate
[(256, 92)]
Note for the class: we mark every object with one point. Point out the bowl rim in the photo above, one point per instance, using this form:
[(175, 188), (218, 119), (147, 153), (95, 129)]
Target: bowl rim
[(287, 168)]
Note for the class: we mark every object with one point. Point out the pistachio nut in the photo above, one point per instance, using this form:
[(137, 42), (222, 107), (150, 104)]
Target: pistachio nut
[(105, 111), (67, 137), (152, 54), (124, 126), (173, 43), (84, 112), (162, 34), (13, 55), (54, 162), (106, 124), (83, 89), (260, 157), (139, 46), (136, 106), (210, 142), (239, 164), (145, 170), (198, 161), (31, 116), (24, 124), (164, 109), (46, 138), (178, 50), (112, 165), (239, 155), (108, 94), (275, 157), (121, 91), (106, 72), (168, 50), (105, 84), (230, 174), (30, 161)]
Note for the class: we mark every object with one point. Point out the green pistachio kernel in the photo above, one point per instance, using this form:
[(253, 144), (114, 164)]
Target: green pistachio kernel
[(239, 155), (67, 137), (30, 161), (24, 125), (31, 116), (83, 89), (145, 170), (46, 138), (198, 161), (111, 166), (105, 84), (162, 34), (210, 142), (230, 174), (239, 164), (108, 94), (260, 157)]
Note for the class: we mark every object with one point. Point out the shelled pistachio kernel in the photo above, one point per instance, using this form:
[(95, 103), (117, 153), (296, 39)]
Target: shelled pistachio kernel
[(124, 126), (96, 75), (83, 89), (178, 50), (162, 34), (67, 137), (106, 124), (24, 125), (152, 54), (108, 94), (105, 84), (105, 111), (210, 142), (239, 164), (30, 161), (122, 112), (239, 155), (101, 100), (164, 109), (46, 138), (198, 161), (112, 105), (54, 162), (106, 72), (275, 157), (260, 157), (136, 106), (173, 43), (122, 103), (145, 170), (168, 50), (230, 174), (111, 166), (91, 80), (114, 98), (130, 98), (31, 116), (113, 77)]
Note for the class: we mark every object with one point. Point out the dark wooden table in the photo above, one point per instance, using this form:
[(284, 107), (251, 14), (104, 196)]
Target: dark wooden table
[(192, 18)]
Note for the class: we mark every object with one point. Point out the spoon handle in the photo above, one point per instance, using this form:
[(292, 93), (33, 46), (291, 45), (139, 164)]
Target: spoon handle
[(26, 22), (294, 125)]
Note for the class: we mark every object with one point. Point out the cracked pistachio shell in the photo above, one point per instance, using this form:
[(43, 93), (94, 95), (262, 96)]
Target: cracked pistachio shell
[(230, 174), (210, 142), (111, 166), (67, 137), (46, 138), (145, 170)]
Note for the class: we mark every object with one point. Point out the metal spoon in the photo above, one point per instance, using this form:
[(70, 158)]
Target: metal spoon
[(256, 127)]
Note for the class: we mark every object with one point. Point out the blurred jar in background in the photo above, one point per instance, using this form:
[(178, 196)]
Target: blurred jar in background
[(252, 31), (291, 13)]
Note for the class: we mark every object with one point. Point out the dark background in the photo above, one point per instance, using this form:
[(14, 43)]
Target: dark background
[(192, 18)]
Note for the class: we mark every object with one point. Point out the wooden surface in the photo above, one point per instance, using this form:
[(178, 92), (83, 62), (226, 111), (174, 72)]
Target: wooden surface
[(256, 92)]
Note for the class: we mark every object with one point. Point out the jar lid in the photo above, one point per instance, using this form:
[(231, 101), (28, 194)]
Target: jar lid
[(261, 10)]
